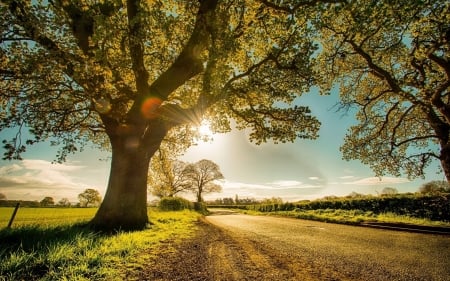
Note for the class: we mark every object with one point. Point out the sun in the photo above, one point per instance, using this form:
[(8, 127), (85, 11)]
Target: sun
[(205, 130)]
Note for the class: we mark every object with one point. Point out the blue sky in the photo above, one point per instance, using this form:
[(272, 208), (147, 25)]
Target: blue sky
[(305, 169)]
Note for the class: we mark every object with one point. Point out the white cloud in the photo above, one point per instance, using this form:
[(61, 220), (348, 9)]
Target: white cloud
[(239, 185), (313, 178), (288, 190), (35, 179), (346, 177), (9, 169), (378, 181), (286, 183)]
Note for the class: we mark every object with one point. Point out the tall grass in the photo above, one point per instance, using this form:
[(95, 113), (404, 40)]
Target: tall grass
[(61, 247)]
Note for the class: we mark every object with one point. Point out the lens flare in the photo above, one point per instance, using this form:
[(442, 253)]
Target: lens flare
[(150, 106)]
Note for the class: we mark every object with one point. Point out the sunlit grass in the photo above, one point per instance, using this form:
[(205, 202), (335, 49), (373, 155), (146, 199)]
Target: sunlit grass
[(46, 216), (61, 248)]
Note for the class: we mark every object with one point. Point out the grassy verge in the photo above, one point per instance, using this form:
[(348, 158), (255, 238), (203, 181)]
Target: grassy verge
[(348, 216), (44, 244)]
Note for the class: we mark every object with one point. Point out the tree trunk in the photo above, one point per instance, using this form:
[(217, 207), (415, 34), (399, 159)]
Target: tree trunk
[(125, 204), (199, 195)]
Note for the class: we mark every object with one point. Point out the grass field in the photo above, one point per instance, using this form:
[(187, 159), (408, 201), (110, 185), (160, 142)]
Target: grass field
[(55, 244)]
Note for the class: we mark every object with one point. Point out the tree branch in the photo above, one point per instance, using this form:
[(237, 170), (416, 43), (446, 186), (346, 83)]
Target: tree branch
[(378, 70), (27, 21), (187, 64), (290, 9)]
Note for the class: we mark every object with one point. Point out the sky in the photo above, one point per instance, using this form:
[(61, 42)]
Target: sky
[(305, 169)]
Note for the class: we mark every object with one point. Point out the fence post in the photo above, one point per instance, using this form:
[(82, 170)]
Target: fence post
[(13, 215)]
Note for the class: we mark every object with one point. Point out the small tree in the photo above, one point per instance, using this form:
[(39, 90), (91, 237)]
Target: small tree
[(389, 191), (2, 196), (64, 202), (90, 197), (167, 176), (435, 187), (273, 200), (202, 176), (47, 201)]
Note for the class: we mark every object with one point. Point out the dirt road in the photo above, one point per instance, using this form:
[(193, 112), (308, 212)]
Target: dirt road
[(240, 247)]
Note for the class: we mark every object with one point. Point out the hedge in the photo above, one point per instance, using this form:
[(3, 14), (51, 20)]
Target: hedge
[(433, 207)]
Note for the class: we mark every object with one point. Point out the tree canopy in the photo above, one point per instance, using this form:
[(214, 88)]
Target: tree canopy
[(64, 202), (47, 201), (89, 198), (74, 70), (435, 187), (390, 61)]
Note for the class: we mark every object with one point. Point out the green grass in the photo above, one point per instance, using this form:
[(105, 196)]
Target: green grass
[(349, 216), (55, 244), (46, 216)]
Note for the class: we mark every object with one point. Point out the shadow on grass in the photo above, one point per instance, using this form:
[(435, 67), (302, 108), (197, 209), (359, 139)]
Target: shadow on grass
[(35, 238), (25, 250)]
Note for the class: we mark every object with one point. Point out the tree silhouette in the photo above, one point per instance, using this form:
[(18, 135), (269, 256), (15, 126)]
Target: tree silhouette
[(89, 198), (202, 176), (64, 202), (47, 201)]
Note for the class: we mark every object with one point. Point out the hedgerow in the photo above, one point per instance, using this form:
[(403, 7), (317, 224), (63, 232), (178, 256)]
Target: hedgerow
[(432, 206)]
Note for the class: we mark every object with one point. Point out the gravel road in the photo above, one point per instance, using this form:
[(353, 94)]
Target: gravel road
[(340, 252), (231, 246)]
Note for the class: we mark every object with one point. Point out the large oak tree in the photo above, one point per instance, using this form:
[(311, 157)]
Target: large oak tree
[(128, 74), (390, 60)]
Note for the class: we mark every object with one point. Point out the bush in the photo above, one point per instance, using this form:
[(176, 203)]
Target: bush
[(201, 208), (174, 204)]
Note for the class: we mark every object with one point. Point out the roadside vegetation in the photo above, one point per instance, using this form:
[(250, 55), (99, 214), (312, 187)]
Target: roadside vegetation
[(432, 209), (56, 244), (350, 217)]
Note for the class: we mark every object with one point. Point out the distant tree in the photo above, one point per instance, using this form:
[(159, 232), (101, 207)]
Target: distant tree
[(228, 201), (47, 201), (354, 194), (167, 176), (2, 196), (248, 201), (64, 202), (435, 187), (90, 197), (389, 191), (273, 200), (202, 176)]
